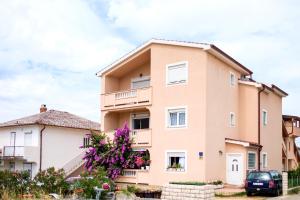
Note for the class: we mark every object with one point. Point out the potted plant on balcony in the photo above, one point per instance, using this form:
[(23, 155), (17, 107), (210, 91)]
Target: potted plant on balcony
[(139, 161), (147, 163)]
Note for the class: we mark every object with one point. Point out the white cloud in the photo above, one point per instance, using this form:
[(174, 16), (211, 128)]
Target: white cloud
[(42, 44), (64, 34)]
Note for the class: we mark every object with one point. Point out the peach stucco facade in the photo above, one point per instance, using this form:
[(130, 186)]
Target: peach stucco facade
[(217, 104)]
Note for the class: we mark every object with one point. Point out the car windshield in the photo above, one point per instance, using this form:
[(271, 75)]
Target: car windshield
[(259, 175)]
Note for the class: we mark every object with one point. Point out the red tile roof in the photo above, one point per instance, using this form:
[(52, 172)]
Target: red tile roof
[(54, 118)]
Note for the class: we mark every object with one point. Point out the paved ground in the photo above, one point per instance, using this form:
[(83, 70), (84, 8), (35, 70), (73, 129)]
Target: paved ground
[(289, 197)]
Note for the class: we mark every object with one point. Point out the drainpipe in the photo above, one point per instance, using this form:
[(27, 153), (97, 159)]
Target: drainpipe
[(41, 147), (259, 123)]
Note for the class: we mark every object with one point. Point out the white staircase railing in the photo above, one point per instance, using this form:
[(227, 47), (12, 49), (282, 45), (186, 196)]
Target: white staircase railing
[(74, 164)]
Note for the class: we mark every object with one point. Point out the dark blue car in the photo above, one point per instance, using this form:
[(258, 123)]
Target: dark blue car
[(263, 182)]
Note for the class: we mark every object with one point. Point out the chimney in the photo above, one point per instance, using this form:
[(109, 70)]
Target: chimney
[(43, 108)]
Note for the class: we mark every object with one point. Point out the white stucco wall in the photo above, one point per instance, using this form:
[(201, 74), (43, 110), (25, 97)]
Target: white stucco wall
[(20, 131), (61, 145)]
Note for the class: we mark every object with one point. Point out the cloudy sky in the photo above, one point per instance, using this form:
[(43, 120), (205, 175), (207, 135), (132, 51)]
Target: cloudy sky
[(51, 50)]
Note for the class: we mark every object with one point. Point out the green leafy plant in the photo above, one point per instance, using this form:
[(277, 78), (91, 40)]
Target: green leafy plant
[(189, 183), (14, 183), (85, 186), (51, 181)]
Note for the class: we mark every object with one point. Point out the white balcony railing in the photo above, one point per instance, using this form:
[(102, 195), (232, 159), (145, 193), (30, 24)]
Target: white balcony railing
[(128, 98), (141, 137), (13, 151), (29, 153), (134, 176)]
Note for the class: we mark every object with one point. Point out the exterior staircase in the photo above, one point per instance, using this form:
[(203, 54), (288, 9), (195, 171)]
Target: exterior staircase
[(73, 164)]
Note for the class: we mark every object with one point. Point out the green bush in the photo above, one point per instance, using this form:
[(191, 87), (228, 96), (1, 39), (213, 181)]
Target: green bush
[(51, 181), (14, 183), (189, 183), (84, 187), (294, 173)]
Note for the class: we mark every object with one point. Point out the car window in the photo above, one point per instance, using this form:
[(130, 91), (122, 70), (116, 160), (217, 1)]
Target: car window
[(275, 175), (259, 175)]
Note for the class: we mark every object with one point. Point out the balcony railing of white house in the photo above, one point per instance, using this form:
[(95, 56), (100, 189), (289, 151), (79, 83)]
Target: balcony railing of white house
[(13, 151)]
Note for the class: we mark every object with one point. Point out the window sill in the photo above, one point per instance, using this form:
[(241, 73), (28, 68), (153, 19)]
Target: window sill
[(175, 170), (176, 127), (177, 83)]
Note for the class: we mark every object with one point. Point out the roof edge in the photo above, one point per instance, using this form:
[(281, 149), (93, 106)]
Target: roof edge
[(204, 46)]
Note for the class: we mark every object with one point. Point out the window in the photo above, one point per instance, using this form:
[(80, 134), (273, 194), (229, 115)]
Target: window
[(177, 117), (251, 160), (232, 79), (28, 167), (265, 117), (176, 161), (264, 160), (232, 119), (12, 138), (12, 166), (86, 142), (140, 121), (28, 139), (177, 73), (140, 82)]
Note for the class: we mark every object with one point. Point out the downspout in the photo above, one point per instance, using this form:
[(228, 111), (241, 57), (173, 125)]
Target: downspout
[(41, 147), (259, 123)]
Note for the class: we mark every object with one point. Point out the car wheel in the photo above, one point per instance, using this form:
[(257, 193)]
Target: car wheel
[(249, 194)]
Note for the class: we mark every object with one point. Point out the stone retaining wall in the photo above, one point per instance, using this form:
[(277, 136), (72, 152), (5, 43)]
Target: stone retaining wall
[(187, 192)]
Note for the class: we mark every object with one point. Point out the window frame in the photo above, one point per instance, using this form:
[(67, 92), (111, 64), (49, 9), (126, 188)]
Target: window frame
[(167, 161), (31, 142), (168, 119), (138, 116), (232, 82), (168, 83), (255, 164), (138, 79), (264, 164), (232, 124), (264, 120)]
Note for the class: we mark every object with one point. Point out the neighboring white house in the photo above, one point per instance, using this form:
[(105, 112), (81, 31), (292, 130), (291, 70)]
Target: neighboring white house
[(48, 139)]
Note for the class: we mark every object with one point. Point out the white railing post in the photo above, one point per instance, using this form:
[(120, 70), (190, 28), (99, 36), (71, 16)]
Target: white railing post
[(285, 183)]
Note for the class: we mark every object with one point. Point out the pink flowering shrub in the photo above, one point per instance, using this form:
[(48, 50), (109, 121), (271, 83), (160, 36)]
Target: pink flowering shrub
[(115, 156)]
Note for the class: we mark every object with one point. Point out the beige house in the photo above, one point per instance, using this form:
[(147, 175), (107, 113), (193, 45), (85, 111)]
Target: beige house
[(48, 139), (290, 153), (196, 109)]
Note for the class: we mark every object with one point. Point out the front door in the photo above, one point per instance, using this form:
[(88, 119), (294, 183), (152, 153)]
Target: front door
[(234, 169)]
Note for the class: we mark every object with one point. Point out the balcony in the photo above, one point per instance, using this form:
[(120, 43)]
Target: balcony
[(136, 176), (141, 137), (28, 153), (126, 99)]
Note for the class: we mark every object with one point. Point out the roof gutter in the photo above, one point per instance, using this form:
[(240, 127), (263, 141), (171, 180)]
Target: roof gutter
[(41, 147), (259, 122)]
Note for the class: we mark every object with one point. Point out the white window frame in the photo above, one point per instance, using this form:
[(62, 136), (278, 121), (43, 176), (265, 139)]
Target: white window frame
[(31, 142), (264, 164), (172, 65), (232, 121), (232, 82), (167, 160), (138, 116), (264, 120), (167, 113), (143, 78), (255, 162)]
